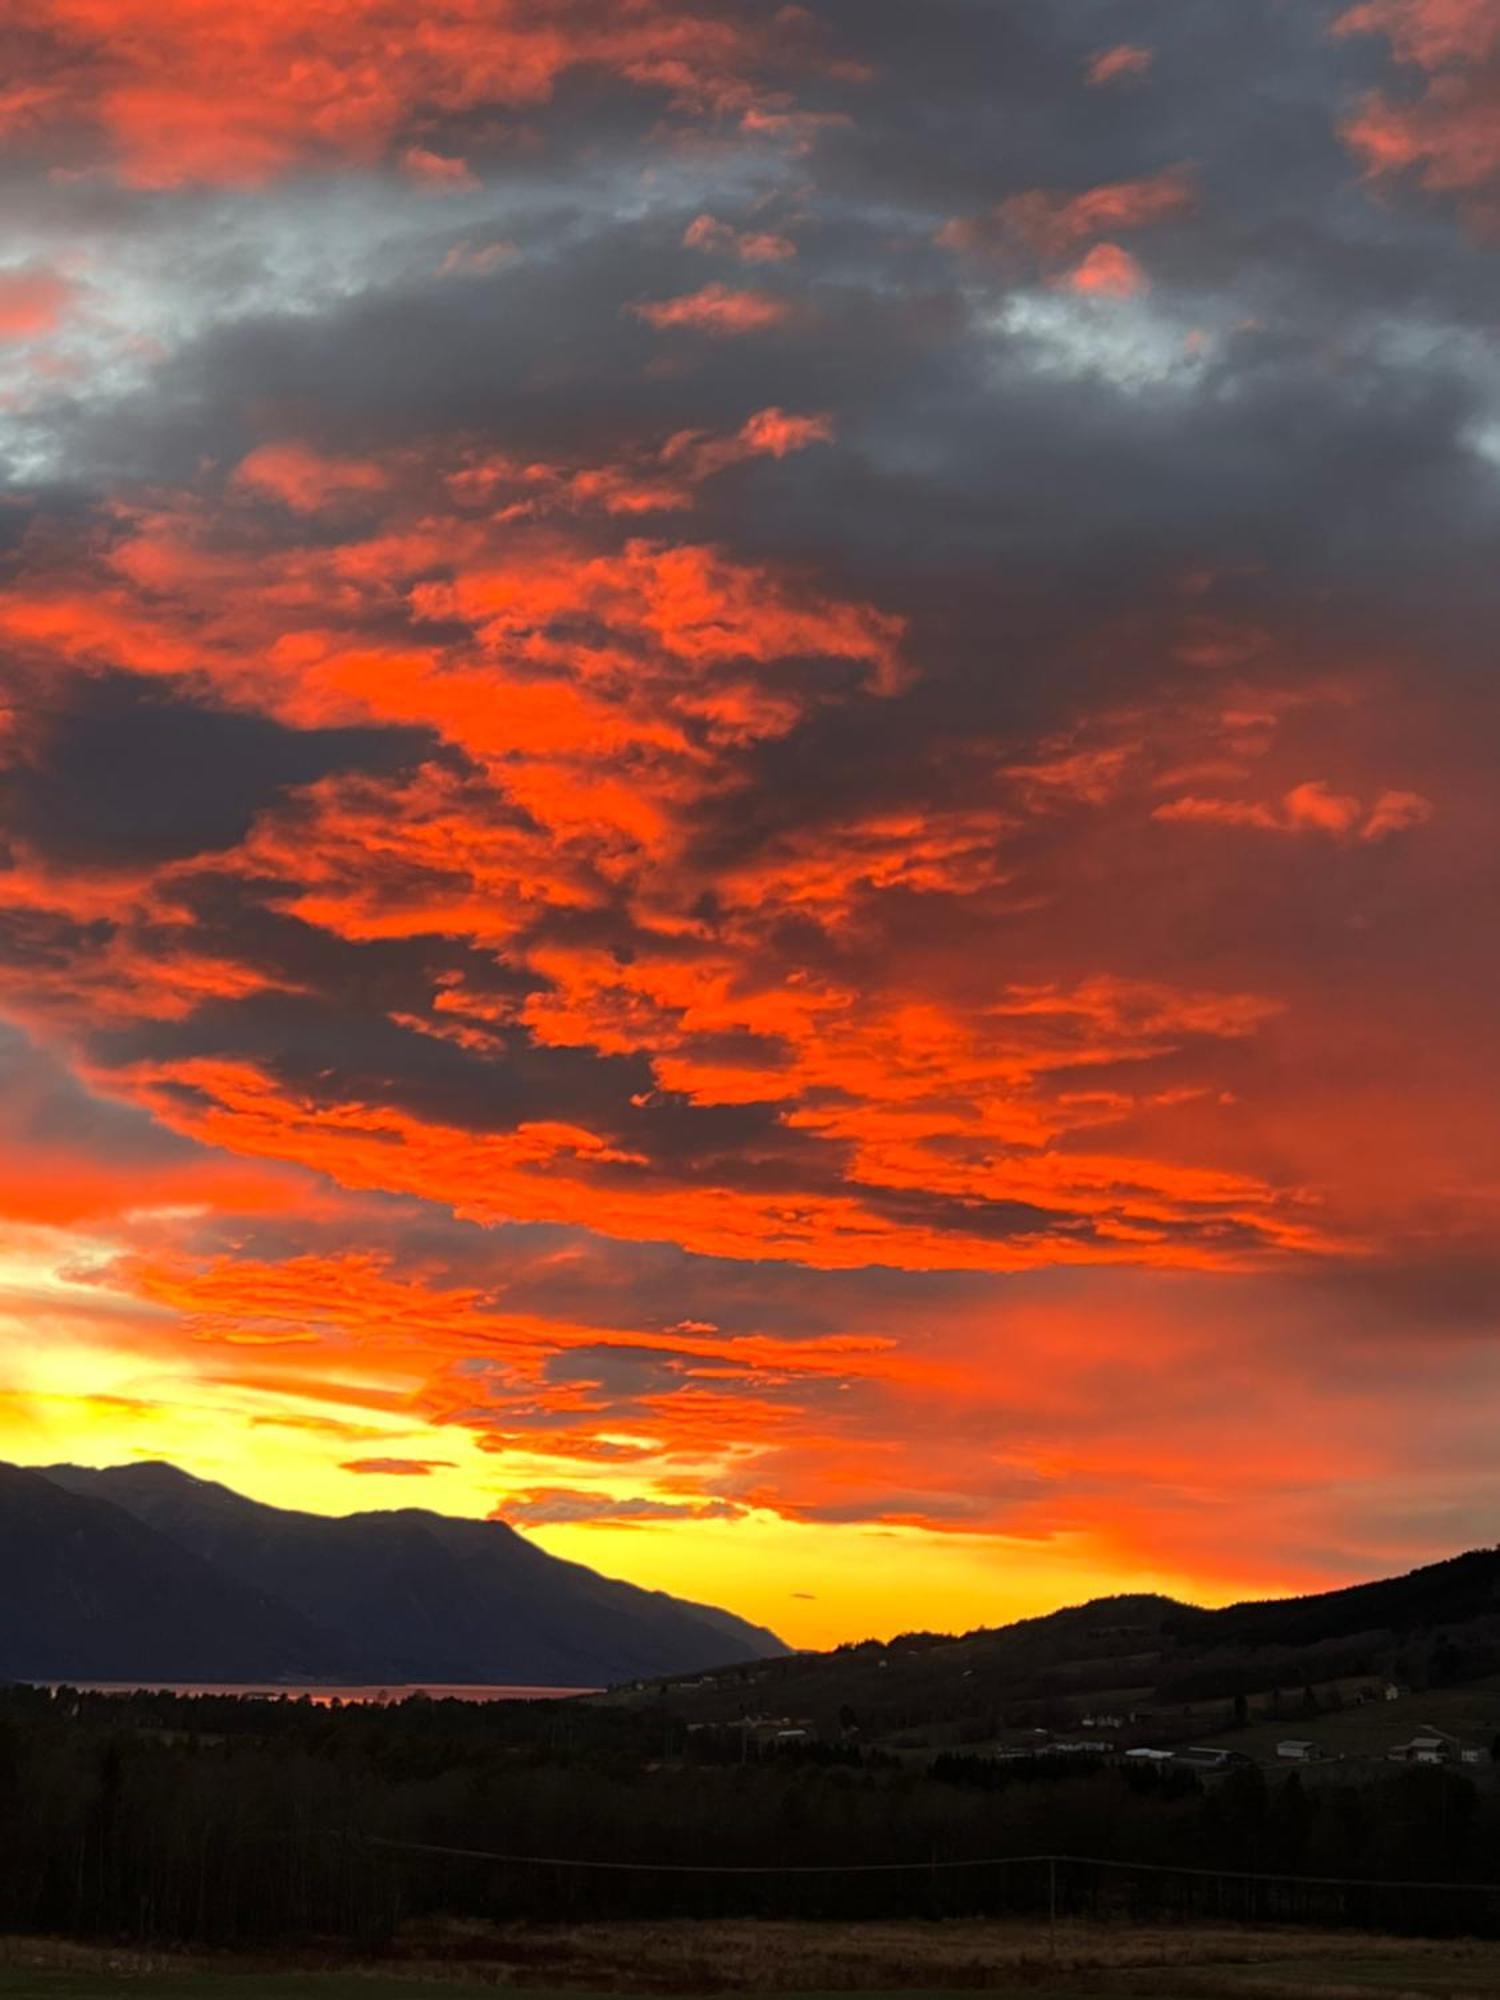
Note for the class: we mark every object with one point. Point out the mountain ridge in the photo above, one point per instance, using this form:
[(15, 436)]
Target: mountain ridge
[(71, 1563), (246, 1591)]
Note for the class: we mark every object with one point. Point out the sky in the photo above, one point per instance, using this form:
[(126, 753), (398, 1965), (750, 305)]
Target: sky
[(749, 780)]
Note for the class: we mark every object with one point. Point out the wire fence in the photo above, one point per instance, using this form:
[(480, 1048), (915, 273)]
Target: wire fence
[(775, 1868), (1054, 1886)]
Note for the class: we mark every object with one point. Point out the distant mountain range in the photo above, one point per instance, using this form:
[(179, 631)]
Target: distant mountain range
[(141, 1573)]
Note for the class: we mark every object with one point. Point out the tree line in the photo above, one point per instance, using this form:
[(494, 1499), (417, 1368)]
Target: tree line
[(223, 1821)]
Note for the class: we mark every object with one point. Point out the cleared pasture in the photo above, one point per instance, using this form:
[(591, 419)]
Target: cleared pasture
[(1012, 1961)]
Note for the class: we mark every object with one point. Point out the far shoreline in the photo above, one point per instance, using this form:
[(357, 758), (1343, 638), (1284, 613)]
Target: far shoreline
[(374, 1693)]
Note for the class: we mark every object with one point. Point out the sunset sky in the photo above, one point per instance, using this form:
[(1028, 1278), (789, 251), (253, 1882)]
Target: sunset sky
[(749, 780)]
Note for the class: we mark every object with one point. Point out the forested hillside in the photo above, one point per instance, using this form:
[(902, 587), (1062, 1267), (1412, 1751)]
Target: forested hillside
[(1146, 1660)]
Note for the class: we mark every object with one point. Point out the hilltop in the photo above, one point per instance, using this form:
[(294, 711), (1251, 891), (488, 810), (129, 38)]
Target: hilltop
[(1137, 1668)]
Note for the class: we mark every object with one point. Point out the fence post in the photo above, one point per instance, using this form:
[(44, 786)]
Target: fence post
[(1052, 1904)]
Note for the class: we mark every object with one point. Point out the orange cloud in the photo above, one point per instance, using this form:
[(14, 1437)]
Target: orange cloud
[(304, 481), (1430, 33), (397, 1468), (775, 432), (1124, 60), (33, 301), (598, 694), (1052, 225), (476, 260), (1107, 272), (717, 309), (682, 634), (1447, 136), (551, 1172), (1312, 807), (750, 246), (442, 173), (179, 95), (1396, 812), (663, 479), (549, 1506)]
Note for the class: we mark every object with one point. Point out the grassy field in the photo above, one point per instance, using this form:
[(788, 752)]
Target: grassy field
[(1358, 1729), (1013, 1961), (1371, 1729)]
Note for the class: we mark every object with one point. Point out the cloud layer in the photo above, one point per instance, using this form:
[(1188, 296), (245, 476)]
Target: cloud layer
[(749, 779)]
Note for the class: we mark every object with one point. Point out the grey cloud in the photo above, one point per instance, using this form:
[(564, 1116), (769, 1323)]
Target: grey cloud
[(130, 772), (42, 1104)]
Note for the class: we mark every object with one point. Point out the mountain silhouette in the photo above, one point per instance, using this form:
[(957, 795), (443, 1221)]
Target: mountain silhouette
[(141, 1572)]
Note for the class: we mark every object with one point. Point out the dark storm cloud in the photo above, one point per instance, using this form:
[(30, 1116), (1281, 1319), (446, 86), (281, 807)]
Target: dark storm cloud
[(366, 976), (37, 941), (129, 772), (46, 1107), (1313, 445), (348, 1044), (569, 1275)]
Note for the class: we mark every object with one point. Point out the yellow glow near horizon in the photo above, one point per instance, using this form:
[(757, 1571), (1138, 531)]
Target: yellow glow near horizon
[(92, 1375), (813, 1584)]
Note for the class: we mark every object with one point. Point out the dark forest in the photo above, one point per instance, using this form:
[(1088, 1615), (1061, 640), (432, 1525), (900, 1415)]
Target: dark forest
[(240, 1822)]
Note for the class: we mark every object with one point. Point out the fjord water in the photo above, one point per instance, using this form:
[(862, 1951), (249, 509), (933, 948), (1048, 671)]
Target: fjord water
[(324, 1697)]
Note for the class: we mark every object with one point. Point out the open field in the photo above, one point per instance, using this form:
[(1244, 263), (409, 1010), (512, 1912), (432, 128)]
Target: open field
[(1006, 1959), (1370, 1729)]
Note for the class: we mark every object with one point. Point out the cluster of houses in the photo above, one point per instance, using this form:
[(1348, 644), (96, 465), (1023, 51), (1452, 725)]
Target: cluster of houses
[(1428, 1746), (1201, 1757), (762, 1732), (1046, 1745), (1436, 1746)]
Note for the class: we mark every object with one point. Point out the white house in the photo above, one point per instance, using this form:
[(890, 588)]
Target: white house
[(1428, 1746), (1431, 1745)]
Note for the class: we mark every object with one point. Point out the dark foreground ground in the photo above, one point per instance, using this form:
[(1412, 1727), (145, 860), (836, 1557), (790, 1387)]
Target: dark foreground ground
[(1083, 1962)]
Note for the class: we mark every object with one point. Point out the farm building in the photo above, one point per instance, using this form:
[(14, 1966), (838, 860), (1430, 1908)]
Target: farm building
[(1427, 1747), (1435, 1746), (1202, 1757)]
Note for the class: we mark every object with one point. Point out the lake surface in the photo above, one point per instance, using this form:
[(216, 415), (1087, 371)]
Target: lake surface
[(324, 1696)]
